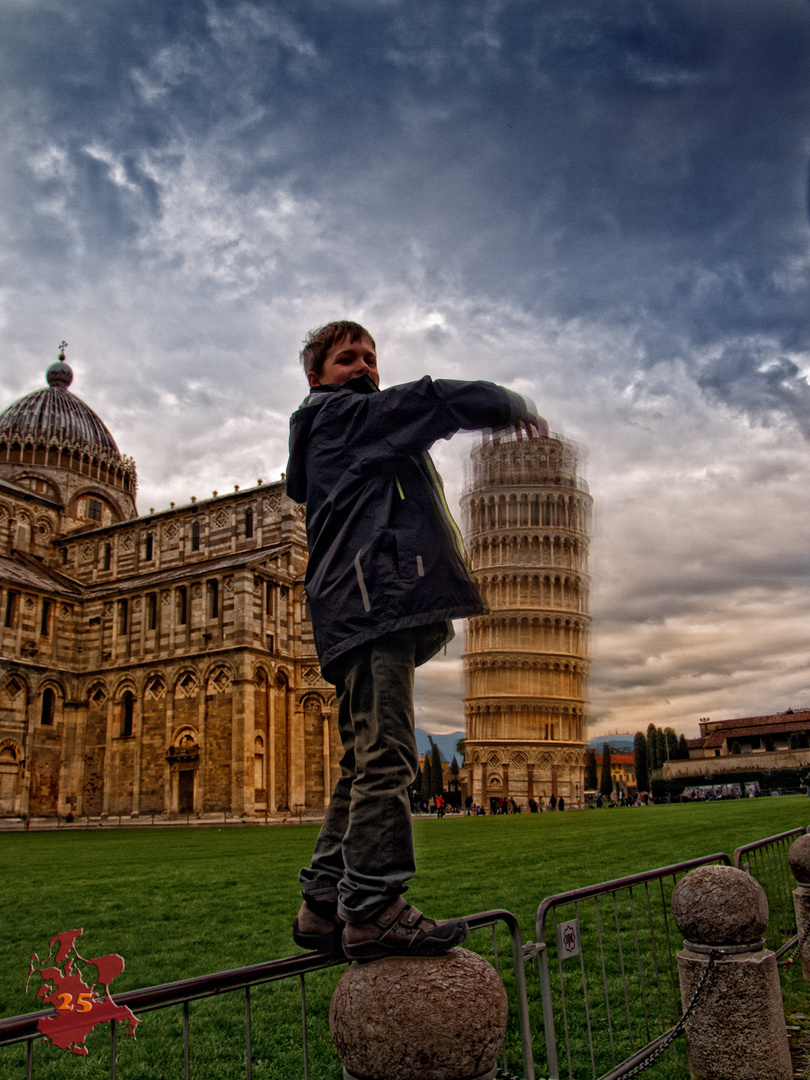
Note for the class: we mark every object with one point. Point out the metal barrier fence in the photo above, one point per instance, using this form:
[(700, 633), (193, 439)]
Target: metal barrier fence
[(254, 1038), (615, 993), (767, 862)]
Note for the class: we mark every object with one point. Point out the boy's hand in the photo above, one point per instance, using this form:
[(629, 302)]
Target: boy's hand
[(533, 426)]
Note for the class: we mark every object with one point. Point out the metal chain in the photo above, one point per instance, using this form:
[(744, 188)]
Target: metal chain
[(676, 1031), (797, 950)]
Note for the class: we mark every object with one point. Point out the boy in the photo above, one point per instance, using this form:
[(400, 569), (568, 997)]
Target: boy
[(386, 574)]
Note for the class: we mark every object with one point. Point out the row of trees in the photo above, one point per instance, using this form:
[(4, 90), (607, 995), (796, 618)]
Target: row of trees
[(593, 776), (592, 769), (651, 751), (429, 780)]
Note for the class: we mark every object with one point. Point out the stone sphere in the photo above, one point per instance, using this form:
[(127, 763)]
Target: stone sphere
[(799, 859), (419, 1018), (720, 905)]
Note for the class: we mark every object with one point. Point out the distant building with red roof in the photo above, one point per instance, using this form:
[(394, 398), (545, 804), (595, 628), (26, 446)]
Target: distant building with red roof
[(752, 734), (777, 741)]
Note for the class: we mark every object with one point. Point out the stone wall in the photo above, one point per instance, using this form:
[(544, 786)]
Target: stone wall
[(776, 759)]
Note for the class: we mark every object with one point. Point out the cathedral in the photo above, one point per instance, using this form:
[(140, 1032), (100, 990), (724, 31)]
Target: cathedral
[(527, 522), (157, 664)]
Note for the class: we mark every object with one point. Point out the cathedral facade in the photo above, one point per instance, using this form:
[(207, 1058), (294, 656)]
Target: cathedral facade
[(527, 522), (158, 664)]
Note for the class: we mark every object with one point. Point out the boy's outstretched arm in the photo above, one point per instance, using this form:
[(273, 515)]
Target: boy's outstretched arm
[(410, 417)]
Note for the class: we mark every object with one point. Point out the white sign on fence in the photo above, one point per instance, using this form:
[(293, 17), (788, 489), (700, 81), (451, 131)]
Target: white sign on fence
[(568, 943)]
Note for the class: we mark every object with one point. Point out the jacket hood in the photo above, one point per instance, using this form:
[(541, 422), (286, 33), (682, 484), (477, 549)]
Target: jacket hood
[(301, 423)]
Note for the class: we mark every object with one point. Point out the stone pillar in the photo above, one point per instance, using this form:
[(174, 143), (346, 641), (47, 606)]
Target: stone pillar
[(414, 1018), (327, 761), (242, 791), (737, 1030), (799, 859)]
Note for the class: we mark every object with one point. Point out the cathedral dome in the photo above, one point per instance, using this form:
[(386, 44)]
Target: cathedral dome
[(54, 414)]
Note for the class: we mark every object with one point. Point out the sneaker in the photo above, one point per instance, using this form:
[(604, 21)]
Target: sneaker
[(402, 930), (319, 930)]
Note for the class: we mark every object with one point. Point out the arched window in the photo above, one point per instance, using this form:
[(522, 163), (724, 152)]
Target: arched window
[(248, 523), (195, 536), (12, 598), (148, 547), (48, 706), (127, 712), (258, 763)]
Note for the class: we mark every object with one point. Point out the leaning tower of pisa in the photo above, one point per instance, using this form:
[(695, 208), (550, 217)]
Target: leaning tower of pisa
[(527, 519)]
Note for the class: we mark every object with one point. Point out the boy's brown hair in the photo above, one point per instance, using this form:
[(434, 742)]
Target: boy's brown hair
[(318, 342)]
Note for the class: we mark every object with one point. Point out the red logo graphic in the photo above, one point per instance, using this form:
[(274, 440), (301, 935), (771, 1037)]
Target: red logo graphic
[(77, 1009), (569, 939)]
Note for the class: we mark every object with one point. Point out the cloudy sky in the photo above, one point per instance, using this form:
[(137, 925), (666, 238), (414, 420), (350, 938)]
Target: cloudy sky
[(601, 204)]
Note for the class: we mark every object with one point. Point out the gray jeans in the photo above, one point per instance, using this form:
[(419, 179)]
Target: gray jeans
[(364, 853)]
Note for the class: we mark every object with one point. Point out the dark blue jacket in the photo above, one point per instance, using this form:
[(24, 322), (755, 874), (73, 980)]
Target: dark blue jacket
[(384, 551)]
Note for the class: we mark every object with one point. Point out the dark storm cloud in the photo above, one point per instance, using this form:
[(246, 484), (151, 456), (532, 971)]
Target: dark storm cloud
[(759, 382), (647, 160)]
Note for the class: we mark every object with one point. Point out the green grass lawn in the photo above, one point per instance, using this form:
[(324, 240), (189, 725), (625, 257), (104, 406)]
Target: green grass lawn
[(182, 902)]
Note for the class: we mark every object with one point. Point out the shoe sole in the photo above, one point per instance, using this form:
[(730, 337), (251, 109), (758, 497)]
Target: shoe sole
[(378, 950), (331, 942)]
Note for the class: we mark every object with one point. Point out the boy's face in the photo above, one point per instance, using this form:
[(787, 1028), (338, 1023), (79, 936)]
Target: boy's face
[(346, 360)]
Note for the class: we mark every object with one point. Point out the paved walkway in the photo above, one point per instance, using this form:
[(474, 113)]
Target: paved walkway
[(158, 821)]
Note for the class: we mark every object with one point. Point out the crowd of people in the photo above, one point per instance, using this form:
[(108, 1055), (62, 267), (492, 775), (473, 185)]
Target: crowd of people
[(451, 804)]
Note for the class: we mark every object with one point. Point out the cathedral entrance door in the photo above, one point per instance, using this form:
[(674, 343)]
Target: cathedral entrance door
[(8, 790), (185, 791), (9, 770)]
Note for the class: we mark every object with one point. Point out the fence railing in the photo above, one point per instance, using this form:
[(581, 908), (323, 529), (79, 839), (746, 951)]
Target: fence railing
[(184, 993), (608, 970), (767, 862)]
